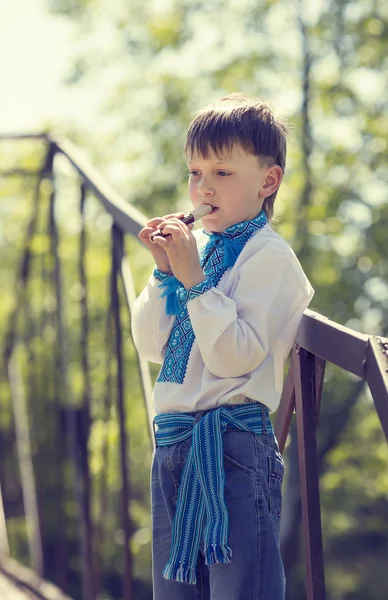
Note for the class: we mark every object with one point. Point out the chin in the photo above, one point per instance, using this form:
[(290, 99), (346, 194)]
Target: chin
[(210, 225)]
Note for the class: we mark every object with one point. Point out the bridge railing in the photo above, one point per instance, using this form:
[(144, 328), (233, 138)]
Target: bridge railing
[(318, 341), (125, 219), (26, 580)]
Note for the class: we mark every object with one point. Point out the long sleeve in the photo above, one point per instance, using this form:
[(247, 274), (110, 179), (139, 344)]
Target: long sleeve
[(235, 332), (151, 326)]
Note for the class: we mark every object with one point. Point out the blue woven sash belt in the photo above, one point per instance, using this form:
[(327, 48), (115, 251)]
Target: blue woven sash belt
[(201, 489)]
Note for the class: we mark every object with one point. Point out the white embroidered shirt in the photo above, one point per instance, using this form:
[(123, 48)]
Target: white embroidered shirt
[(232, 334)]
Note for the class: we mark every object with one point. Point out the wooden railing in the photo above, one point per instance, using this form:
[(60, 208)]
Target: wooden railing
[(318, 341)]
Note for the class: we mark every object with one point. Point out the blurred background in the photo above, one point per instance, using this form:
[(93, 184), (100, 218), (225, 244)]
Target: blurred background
[(121, 80)]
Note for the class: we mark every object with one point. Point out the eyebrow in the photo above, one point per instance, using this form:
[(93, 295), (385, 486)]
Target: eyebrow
[(218, 162)]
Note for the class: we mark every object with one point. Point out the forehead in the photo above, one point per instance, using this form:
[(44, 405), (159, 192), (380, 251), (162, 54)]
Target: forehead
[(236, 154)]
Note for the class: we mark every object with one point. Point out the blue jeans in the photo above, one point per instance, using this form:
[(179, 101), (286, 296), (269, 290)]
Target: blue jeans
[(254, 472)]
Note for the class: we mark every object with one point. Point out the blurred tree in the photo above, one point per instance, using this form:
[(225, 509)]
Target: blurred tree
[(153, 64)]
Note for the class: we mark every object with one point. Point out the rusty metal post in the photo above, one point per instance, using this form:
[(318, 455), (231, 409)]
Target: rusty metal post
[(70, 413), (143, 365), (117, 256), (86, 401), (24, 452)]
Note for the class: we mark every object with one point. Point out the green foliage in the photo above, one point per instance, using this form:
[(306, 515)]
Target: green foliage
[(354, 499), (161, 62)]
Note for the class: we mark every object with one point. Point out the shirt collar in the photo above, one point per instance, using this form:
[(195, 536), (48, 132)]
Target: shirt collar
[(242, 229)]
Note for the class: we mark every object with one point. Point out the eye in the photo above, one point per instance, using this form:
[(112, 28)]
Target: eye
[(193, 173), (223, 173)]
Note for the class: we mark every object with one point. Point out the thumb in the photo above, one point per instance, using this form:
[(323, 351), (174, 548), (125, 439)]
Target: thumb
[(159, 241)]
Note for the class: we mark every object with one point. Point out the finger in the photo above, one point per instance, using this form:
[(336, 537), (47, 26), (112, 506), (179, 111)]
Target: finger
[(177, 215), (147, 230), (160, 231), (147, 239), (157, 220), (161, 228), (176, 230), (174, 220), (145, 233), (160, 241)]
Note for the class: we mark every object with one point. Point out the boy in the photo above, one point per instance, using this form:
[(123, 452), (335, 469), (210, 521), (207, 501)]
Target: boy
[(220, 313)]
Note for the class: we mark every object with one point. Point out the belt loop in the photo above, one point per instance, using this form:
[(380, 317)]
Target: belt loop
[(198, 416)]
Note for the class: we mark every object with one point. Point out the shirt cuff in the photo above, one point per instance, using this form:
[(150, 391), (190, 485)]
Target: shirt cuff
[(199, 289), (161, 275)]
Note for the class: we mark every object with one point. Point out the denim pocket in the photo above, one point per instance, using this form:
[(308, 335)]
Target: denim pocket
[(275, 480), (239, 451)]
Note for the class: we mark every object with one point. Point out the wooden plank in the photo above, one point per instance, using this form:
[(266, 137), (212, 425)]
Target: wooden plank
[(377, 377), (307, 412), (287, 405), (333, 342)]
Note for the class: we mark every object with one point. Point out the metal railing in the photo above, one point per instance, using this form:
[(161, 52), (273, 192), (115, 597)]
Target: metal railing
[(125, 219), (26, 581), (318, 341)]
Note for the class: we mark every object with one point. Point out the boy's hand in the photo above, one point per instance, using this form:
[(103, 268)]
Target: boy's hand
[(157, 251), (180, 247)]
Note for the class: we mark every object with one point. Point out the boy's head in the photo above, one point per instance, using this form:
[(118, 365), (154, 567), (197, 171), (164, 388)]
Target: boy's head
[(245, 134)]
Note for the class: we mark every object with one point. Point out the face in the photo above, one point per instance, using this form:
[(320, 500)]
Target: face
[(235, 184)]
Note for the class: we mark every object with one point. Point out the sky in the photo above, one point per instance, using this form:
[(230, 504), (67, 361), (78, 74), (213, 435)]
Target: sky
[(35, 54)]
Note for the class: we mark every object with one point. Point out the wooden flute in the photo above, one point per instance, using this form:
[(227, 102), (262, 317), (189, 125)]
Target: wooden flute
[(194, 215)]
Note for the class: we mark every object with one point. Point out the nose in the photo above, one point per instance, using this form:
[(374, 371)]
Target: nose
[(204, 188)]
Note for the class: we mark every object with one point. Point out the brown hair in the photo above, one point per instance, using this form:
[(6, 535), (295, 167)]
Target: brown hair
[(243, 120)]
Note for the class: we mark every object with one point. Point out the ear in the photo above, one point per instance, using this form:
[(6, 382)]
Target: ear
[(273, 179)]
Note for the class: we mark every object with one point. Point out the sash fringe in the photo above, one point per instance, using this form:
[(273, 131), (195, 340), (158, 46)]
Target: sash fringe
[(183, 573), (218, 553)]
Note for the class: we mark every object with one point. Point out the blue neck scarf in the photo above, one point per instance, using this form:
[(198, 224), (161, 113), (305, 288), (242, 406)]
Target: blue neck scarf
[(225, 247)]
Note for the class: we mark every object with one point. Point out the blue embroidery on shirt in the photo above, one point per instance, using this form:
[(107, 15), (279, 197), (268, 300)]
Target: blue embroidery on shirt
[(182, 336), (161, 275)]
